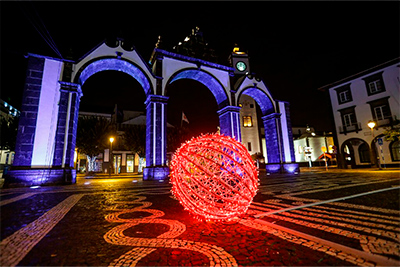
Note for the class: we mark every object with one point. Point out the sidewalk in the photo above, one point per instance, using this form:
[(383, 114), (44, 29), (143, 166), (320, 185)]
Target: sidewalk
[(334, 169), (107, 175)]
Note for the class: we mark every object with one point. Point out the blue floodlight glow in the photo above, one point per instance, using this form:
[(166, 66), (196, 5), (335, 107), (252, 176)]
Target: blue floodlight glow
[(117, 65), (262, 100), (208, 80), (291, 168)]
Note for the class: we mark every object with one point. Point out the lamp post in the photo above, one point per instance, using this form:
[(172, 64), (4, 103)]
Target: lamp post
[(111, 157), (371, 125)]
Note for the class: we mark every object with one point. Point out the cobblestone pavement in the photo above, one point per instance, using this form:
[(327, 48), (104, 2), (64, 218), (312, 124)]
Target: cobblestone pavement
[(315, 218)]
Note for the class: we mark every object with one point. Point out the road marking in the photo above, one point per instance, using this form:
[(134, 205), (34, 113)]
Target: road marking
[(378, 259), (145, 246), (15, 247), (324, 202), (11, 200)]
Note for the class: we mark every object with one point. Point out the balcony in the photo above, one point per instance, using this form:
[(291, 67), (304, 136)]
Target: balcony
[(388, 121), (355, 127)]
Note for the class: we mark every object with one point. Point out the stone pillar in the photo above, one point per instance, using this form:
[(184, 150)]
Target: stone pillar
[(156, 138), (289, 160), (29, 113), (67, 124), (273, 139), (35, 160), (229, 122), (287, 135), (278, 139)]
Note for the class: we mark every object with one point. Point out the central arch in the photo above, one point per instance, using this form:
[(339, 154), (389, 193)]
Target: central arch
[(207, 80)]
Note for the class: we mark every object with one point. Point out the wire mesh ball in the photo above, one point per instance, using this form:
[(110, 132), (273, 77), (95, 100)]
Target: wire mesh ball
[(214, 177)]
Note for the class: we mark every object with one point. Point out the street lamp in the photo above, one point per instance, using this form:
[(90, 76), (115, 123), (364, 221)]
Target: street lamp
[(111, 158), (371, 125)]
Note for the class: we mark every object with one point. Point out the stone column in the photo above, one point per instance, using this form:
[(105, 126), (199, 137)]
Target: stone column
[(229, 122), (273, 142), (156, 138), (35, 161), (287, 135), (289, 164), (67, 124), (29, 112)]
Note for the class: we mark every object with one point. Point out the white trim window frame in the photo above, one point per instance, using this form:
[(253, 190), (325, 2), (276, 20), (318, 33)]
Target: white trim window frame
[(375, 86)]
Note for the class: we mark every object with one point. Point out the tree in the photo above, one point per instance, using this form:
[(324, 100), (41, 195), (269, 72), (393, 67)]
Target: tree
[(135, 140), (93, 137), (175, 137), (392, 134)]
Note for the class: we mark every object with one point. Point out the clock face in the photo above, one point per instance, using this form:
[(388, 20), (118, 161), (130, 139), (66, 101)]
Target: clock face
[(241, 66)]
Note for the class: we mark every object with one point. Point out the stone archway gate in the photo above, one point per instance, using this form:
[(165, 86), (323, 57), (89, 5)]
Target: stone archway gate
[(45, 145)]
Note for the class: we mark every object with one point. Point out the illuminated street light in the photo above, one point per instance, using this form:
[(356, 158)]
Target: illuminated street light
[(111, 157), (371, 125)]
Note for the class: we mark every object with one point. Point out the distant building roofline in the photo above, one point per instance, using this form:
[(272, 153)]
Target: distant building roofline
[(362, 73)]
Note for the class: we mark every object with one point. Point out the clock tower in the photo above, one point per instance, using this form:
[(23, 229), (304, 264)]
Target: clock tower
[(239, 61)]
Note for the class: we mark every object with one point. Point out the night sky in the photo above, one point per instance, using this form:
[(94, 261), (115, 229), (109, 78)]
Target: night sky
[(295, 47)]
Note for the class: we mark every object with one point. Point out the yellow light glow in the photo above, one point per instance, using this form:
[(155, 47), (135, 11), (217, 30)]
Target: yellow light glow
[(111, 139), (247, 122), (371, 124)]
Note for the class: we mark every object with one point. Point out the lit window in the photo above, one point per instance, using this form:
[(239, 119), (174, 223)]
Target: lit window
[(247, 122)]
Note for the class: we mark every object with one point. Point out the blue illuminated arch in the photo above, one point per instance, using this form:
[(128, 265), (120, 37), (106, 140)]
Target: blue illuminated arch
[(207, 80), (262, 99), (116, 65)]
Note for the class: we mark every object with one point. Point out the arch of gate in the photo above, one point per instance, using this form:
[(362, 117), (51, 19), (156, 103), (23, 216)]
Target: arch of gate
[(207, 79), (276, 119), (46, 137), (228, 115), (115, 64), (217, 78)]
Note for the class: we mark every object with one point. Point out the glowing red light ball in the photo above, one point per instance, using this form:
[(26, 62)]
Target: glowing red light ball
[(214, 177)]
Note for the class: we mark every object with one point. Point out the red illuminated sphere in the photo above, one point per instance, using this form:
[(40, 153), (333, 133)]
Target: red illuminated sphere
[(214, 177)]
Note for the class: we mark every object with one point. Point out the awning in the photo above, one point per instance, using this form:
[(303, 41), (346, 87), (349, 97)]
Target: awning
[(328, 155)]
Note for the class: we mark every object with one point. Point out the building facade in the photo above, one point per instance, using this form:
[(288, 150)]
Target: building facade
[(249, 125), (8, 114), (369, 96), (312, 149)]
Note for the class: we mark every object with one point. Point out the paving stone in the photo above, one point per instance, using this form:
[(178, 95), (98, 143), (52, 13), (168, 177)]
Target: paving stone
[(124, 224)]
